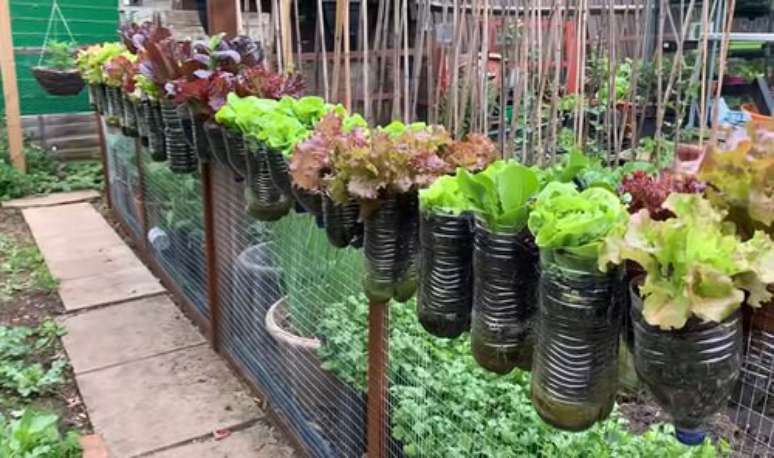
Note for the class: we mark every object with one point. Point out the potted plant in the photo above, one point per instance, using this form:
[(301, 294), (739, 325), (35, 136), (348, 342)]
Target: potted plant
[(687, 326), (89, 62), (574, 368), (385, 173), (162, 63), (57, 73), (114, 71), (445, 280), (131, 117), (310, 166)]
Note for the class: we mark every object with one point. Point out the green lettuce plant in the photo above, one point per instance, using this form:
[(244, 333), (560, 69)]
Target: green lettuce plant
[(695, 264), (576, 221), (90, 60), (444, 196), (500, 194), (740, 181)]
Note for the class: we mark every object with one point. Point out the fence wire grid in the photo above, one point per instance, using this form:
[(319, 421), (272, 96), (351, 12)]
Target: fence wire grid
[(293, 320)]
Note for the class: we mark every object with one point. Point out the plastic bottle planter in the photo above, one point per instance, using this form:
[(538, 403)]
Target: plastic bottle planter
[(278, 167), (130, 118), (236, 151), (312, 202), (690, 371), (504, 300), (341, 222), (96, 97), (156, 142), (181, 157), (574, 375), (445, 281), (115, 108), (265, 201), (194, 128), (390, 246), (216, 142)]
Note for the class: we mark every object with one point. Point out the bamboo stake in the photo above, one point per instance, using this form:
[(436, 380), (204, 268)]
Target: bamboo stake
[(364, 65), (298, 34), (277, 37), (704, 76), (324, 45), (396, 59), (452, 92), (406, 76), (347, 68), (721, 70), (380, 45)]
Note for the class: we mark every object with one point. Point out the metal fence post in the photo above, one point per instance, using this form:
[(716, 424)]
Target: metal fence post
[(141, 183), (378, 362)]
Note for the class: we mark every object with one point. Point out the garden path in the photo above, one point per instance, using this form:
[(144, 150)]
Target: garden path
[(151, 384)]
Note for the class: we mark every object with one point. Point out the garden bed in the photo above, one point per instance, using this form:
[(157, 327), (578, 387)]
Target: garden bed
[(28, 300)]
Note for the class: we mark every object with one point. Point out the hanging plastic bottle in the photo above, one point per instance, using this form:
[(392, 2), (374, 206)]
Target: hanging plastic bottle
[(690, 371), (574, 376), (504, 305)]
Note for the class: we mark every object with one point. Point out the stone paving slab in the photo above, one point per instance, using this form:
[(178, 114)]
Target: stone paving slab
[(257, 441), (58, 198), (153, 403), (127, 332), (109, 287), (92, 263)]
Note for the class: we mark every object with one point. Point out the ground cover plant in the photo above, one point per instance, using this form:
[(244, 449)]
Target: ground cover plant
[(41, 412), (482, 414), (44, 174)]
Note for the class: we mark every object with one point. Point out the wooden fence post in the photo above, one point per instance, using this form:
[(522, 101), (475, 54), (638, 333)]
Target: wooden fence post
[(378, 389), (223, 16), (10, 90)]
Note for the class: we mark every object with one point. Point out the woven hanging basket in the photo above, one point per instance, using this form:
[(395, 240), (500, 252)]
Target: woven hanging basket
[(58, 82)]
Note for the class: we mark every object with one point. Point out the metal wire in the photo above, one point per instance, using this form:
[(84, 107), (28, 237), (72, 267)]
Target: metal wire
[(124, 179), (259, 264), (174, 217)]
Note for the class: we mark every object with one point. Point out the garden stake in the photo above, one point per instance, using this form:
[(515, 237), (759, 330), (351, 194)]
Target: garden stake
[(378, 362)]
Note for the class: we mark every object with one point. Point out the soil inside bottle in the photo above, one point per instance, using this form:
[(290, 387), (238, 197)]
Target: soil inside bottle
[(574, 377), (445, 281), (504, 303)]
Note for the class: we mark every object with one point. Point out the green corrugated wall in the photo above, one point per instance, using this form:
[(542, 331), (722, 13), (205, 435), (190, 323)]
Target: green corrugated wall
[(91, 21)]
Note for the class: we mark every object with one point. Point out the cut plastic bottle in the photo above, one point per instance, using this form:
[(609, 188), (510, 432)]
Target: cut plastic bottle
[(575, 372)]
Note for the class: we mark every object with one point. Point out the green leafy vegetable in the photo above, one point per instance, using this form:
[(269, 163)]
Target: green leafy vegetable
[(695, 264), (90, 60), (500, 194), (565, 218), (444, 196), (36, 434)]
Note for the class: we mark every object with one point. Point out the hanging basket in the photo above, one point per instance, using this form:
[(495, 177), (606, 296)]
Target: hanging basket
[(690, 371), (504, 301), (445, 283), (59, 82), (575, 370)]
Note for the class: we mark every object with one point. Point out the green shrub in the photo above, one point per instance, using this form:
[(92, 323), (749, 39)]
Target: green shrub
[(444, 405)]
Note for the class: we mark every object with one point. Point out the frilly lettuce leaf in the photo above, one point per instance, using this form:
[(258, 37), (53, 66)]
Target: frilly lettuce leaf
[(695, 263), (576, 221)]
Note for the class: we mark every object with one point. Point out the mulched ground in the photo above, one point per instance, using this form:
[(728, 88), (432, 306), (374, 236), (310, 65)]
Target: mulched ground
[(30, 308)]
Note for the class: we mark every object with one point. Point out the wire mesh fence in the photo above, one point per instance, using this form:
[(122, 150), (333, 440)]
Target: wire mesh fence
[(123, 173), (174, 218), (278, 282), (293, 319)]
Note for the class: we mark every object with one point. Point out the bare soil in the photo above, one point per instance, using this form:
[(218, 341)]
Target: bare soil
[(31, 307)]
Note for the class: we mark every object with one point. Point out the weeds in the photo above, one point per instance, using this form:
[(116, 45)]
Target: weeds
[(29, 362), (35, 434), (22, 268)]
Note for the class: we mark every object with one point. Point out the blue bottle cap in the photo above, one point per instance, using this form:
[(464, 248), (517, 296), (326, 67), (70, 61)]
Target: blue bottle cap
[(690, 437)]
